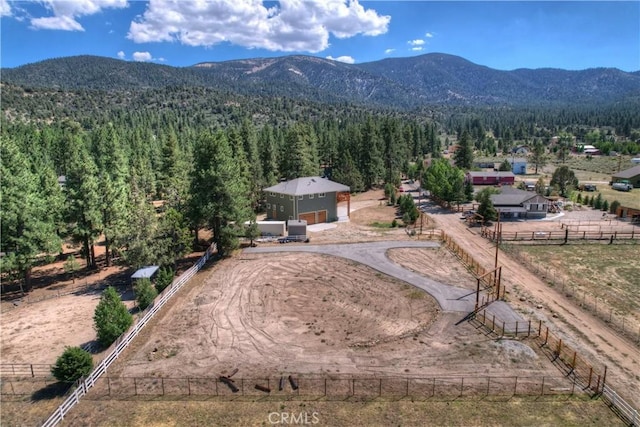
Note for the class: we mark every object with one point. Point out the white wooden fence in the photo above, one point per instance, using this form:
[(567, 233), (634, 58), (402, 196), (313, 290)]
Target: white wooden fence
[(84, 384), (627, 412)]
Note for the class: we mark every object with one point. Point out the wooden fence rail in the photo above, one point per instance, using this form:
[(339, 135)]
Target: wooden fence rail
[(334, 386), (561, 236), (85, 384)]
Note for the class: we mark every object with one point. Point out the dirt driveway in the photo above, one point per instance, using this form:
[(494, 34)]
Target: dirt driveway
[(583, 331)]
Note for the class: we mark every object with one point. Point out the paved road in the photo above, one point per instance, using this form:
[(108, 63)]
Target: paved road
[(374, 255)]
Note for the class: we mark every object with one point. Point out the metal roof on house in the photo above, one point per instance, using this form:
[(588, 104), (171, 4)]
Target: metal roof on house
[(517, 160), (490, 173), (307, 185), (628, 173), (145, 272), (513, 197)]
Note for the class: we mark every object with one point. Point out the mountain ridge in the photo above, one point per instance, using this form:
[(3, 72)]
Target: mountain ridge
[(410, 82)]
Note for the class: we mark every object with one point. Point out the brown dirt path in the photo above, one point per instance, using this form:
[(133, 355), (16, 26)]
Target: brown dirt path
[(598, 343)]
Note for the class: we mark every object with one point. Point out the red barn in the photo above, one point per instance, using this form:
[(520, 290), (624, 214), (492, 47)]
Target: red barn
[(491, 178)]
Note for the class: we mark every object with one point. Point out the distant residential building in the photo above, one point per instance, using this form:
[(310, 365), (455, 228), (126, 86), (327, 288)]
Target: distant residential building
[(490, 178), (632, 175), (518, 165), (520, 150), (515, 203)]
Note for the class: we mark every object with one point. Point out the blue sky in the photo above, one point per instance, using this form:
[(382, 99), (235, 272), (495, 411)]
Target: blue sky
[(505, 35)]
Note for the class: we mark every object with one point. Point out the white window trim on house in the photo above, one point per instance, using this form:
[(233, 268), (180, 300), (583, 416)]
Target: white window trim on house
[(300, 197), (321, 195), (282, 195), (291, 197), (268, 206), (272, 194), (311, 196), (281, 208)]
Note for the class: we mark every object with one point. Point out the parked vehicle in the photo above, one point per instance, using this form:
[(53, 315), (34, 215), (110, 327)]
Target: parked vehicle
[(588, 187), (622, 186)]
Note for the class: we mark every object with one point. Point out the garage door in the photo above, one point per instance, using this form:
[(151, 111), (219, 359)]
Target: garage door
[(322, 216), (310, 217)]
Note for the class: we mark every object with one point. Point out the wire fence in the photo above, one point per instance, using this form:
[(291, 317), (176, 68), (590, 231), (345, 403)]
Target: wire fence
[(627, 325), (584, 375), (25, 370), (332, 387), (31, 387), (79, 289)]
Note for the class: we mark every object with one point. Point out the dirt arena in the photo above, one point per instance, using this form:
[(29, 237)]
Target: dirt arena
[(272, 314)]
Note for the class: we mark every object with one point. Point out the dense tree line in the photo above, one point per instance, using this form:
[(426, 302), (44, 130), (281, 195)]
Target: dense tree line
[(145, 183), (146, 169)]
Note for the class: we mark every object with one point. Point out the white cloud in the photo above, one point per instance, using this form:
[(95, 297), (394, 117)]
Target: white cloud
[(429, 35), (121, 55), (291, 25), (388, 51), (417, 42), (66, 13), (142, 56), (5, 8), (417, 49), (344, 58)]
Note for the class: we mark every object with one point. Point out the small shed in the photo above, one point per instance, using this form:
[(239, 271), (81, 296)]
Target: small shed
[(145, 273), (297, 227), (518, 165)]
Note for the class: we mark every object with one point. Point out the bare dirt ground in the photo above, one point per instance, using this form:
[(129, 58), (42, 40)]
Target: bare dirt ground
[(305, 313), (38, 333), (585, 332), (58, 311), (311, 314)]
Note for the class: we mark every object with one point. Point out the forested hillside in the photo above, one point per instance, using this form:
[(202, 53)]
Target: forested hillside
[(398, 82), (205, 150)]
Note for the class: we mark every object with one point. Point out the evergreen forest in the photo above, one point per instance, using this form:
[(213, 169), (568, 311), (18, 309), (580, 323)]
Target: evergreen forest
[(145, 169)]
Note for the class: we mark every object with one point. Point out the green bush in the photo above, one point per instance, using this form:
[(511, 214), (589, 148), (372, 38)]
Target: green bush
[(164, 279), (111, 318), (72, 364), (145, 293), (614, 206)]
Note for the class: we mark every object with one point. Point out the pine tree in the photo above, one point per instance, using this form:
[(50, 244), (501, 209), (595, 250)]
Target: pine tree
[(268, 156), (219, 192), (113, 175), (111, 318), (463, 157), (84, 199), (538, 156), (372, 162), (145, 293), (28, 226), (485, 207), (299, 157)]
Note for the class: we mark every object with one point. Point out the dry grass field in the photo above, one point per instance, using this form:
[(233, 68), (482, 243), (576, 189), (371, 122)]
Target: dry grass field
[(609, 272), (512, 412)]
